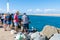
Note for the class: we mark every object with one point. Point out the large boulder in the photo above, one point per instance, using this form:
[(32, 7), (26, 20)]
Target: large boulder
[(55, 37), (58, 29), (49, 31), (38, 36)]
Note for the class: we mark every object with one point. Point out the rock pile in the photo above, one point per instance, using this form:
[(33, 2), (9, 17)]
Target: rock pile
[(55, 37), (49, 31)]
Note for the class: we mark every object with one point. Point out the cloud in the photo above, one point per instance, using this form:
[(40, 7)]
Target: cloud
[(43, 11), (34, 10), (38, 10), (13, 10), (29, 10), (49, 10)]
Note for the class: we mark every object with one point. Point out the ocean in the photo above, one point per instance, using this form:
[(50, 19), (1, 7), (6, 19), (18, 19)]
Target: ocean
[(39, 22)]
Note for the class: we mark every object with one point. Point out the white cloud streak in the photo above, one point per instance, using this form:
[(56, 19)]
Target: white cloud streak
[(38, 10), (34, 10), (47, 10), (43, 10), (29, 10)]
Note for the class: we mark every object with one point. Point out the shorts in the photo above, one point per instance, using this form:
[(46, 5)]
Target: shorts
[(26, 26), (4, 21), (9, 22), (16, 24)]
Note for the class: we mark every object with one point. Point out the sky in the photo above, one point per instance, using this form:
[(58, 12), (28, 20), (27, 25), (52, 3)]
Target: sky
[(31, 6)]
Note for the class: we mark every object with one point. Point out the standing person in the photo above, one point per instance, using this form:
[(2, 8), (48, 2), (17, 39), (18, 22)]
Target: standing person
[(16, 20), (9, 21), (25, 21), (5, 22), (2, 18), (12, 23)]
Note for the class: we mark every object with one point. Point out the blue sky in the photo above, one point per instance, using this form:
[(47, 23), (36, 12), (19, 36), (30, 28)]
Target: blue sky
[(32, 6)]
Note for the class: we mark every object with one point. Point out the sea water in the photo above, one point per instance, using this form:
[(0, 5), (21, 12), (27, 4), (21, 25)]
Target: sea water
[(39, 22)]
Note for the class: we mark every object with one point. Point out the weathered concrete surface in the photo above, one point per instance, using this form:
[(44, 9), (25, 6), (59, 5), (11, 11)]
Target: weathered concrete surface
[(6, 35)]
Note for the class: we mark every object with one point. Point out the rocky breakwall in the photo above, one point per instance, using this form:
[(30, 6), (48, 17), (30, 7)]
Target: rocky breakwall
[(58, 29), (49, 31)]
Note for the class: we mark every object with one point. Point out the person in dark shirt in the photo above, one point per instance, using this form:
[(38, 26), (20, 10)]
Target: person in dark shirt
[(9, 21)]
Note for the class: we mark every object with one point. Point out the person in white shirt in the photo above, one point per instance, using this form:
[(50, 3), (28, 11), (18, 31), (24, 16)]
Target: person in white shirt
[(25, 21)]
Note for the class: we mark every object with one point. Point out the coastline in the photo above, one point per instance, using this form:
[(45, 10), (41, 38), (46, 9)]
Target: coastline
[(57, 15)]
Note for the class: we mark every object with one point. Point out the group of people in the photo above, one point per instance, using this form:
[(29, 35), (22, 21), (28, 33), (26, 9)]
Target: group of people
[(12, 20), (19, 22)]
